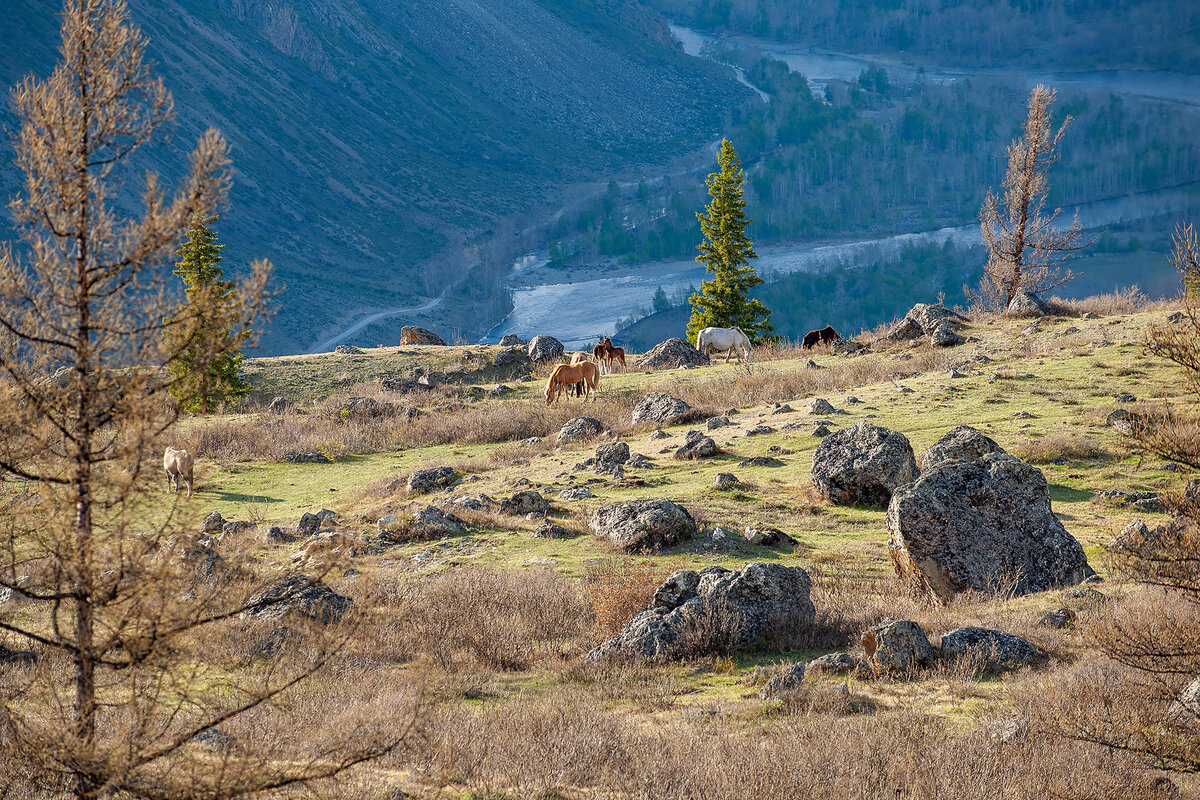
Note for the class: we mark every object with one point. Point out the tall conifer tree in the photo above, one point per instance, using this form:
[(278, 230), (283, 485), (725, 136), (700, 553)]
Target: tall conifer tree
[(200, 384), (724, 301)]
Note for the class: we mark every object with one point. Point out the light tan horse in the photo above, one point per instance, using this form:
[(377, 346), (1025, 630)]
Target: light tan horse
[(567, 375)]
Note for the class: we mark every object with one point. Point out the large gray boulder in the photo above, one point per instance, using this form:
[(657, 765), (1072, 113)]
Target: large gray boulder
[(697, 445), (297, 594), (426, 480), (922, 320), (996, 649), (896, 646), (863, 465), (964, 443), (545, 348), (509, 356), (574, 430), (718, 610), (672, 354), (1026, 304), (527, 502), (659, 408), (414, 334), (639, 526), (611, 455), (982, 525), (512, 340)]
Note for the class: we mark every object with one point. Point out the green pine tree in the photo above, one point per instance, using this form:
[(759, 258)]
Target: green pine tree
[(199, 381), (724, 301)]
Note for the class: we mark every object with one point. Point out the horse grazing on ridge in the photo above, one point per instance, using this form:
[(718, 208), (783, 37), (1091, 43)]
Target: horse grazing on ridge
[(826, 335), (565, 376), (724, 340), (178, 465)]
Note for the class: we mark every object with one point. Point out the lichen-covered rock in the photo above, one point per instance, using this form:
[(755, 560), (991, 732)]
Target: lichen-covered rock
[(964, 443), (427, 523), (922, 320), (672, 354), (863, 465), (820, 406), (527, 502), (415, 334), (1026, 304), (945, 336), (214, 522), (763, 605), (834, 664), (697, 445), (660, 408), (581, 493), (716, 422), (611, 455), (579, 428), (639, 526), (1126, 422), (996, 648), (510, 356), (981, 525), (548, 530), (784, 679), (297, 594), (1057, 618), (293, 457), (767, 536), (512, 340), (426, 480), (725, 480), (545, 348), (896, 646)]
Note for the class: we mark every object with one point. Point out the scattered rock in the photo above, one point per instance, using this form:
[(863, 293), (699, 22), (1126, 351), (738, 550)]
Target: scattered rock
[(512, 340), (510, 356), (1026, 304), (304, 458), (639, 461), (672, 354), (660, 408), (214, 522), (923, 319), (982, 525), (548, 530), (501, 390), (579, 428), (545, 348), (716, 422), (998, 649), (851, 401), (863, 465), (1086, 596), (531, 441), (896, 646), (1057, 618), (1125, 398), (944, 336), (611, 455), (582, 493), (1144, 501), (299, 595), (639, 526), (759, 430), (660, 434), (696, 446), (784, 679), (399, 385), (820, 406), (820, 430), (216, 739), (717, 610), (812, 365), (725, 480), (834, 664), (963, 443), (428, 523), (783, 409), (1126, 422), (414, 334), (426, 480), (527, 502), (760, 461), (767, 536), (347, 349)]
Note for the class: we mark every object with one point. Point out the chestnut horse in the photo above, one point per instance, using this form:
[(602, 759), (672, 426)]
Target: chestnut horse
[(567, 375), (606, 353), (826, 335)]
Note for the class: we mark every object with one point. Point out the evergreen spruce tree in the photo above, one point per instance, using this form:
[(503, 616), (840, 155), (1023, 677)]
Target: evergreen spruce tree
[(723, 301), (201, 383)]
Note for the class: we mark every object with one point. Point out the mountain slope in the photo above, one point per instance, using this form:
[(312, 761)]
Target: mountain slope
[(377, 143)]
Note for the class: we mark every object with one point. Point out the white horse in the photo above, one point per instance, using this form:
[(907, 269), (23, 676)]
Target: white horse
[(724, 340)]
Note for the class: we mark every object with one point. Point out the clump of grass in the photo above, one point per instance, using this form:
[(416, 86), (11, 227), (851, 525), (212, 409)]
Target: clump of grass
[(1062, 445)]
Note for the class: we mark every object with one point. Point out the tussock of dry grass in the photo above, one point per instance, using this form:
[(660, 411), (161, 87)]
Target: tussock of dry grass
[(1053, 446)]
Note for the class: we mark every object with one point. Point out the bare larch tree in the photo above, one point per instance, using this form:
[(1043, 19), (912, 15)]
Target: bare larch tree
[(117, 607), (1025, 248)]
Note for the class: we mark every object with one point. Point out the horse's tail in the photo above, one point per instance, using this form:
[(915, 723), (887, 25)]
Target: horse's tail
[(596, 379)]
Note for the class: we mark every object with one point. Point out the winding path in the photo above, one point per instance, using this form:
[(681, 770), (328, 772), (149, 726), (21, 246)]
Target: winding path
[(332, 342)]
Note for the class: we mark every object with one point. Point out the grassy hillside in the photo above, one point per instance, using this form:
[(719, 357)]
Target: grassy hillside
[(377, 146)]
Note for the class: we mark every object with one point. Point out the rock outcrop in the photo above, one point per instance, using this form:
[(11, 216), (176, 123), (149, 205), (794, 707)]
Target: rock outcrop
[(638, 526), (1025, 304), (297, 594), (659, 408), (414, 334), (964, 443), (579, 428), (545, 348), (718, 610), (996, 649), (984, 525), (896, 646), (924, 319), (672, 354), (863, 465), (426, 480)]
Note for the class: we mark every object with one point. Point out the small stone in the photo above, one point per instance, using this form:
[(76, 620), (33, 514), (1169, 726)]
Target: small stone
[(785, 679), (819, 405), (759, 430), (1125, 398), (1057, 618), (582, 493), (714, 422), (660, 434), (725, 480), (851, 401)]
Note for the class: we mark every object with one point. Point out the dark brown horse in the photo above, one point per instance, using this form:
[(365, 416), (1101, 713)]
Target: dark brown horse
[(826, 335), (606, 353)]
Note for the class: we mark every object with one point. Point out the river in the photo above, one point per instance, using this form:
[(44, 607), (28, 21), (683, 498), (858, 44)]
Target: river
[(578, 312)]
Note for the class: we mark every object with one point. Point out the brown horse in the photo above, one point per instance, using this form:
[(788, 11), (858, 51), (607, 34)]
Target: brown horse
[(826, 335), (567, 375), (606, 353)]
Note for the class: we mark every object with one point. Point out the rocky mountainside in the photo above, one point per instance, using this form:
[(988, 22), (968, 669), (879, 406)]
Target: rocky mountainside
[(377, 144)]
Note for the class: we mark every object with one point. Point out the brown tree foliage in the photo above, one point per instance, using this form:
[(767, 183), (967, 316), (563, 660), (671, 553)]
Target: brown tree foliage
[(1025, 248), (1179, 339), (116, 611)]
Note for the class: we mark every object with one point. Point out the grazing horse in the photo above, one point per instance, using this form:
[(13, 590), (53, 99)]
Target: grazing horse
[(178, 465), (566, 376), (826, 335), (579, 388), (724, 340)]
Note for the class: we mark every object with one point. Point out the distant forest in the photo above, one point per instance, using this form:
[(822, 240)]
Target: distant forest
[(1075, 34)]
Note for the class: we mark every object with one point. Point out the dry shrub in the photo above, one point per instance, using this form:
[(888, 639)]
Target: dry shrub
[(618, 589), (491, 618), (1171, 435), (1048, 448), (565, 744), (833, 699), (1123, 301)]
